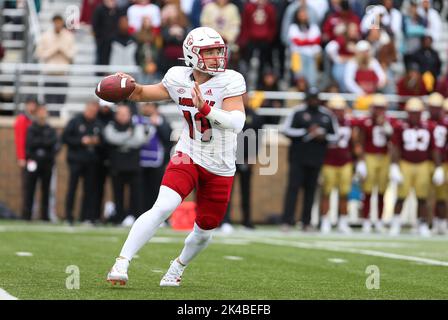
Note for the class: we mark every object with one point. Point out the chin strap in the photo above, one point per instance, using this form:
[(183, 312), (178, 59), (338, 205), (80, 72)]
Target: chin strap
[(224, 119)]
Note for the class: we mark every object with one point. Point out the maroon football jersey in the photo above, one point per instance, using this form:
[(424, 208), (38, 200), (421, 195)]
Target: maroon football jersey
[(415, 142), (340, 153), (375, 136)]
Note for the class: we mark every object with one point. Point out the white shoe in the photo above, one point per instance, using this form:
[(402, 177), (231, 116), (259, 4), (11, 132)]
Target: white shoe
[(119, 272), (395, 227), (128, 221), (423, 230), (226, 228), (366, 227), (173, 276), (443, 227), (343, 226), (325, 226), (379, 227)]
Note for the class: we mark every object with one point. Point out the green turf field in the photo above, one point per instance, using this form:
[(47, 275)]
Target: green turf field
[(265, 264)]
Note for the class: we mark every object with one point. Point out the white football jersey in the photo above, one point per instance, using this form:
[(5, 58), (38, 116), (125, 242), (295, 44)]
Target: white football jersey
[(208, 145)]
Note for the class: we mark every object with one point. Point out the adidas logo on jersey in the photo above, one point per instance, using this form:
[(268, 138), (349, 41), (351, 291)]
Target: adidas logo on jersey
[(208, 92)]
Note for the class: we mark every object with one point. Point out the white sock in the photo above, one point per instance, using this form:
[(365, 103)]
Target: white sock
[(146, 225), (196, 241)]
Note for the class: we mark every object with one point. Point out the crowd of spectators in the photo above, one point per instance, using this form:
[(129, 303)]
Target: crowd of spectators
[(359, 47)]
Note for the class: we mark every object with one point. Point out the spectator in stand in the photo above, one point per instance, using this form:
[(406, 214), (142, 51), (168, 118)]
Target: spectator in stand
[(305, 48), (384, 51), (432, 18), (336, 22), (269, 83), (21, 125), (224, 17), (141, 9), (124, 46), (56, 46), (148, 51), (83, 136), (155, 153), (105, 28), (393, 20), (2, 52), (125, 140), (363, 74), (414, 27), (278, 47), (87, 9), (340, 51), (174, 30), (383, 16), (196, 11), (411, 84), (442, 85), (290, 14), (41, 149), (300, 85), (429, 62), (258, 32)]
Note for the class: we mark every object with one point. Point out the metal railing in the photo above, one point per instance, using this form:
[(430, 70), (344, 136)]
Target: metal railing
[(26, 33), (24, 79)]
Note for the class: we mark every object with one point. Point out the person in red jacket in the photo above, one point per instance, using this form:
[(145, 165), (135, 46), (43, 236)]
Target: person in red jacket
[(258, 31), (23, 121), (411, 84)]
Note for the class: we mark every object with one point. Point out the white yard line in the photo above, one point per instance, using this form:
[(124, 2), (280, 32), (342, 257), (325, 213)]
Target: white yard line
[(351, 250), (24, 254), (6, 296), (234, 258)]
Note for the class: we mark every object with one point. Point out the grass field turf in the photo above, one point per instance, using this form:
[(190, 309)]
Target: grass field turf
[(273, 265)]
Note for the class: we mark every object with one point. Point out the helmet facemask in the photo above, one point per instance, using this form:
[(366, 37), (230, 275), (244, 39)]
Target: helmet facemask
[(204, 62)]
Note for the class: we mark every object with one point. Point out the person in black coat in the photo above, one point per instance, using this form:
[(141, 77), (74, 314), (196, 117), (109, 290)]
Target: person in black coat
[(310, 127), (41, 148), (125, 140), (427, 58), (247, 150), (154, 154), (83, 136), (105, 28), (104, 116)]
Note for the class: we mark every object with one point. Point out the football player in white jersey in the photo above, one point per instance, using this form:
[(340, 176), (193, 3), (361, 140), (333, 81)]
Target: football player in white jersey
[(210, 98)]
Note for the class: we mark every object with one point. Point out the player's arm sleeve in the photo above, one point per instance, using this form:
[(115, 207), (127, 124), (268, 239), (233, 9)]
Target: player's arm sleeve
[(70, 137), (234, 119)]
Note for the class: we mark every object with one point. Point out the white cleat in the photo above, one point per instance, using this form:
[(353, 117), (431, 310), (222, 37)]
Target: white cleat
[(423, 230), (343, 226), (325, 226), (119, 272), (379, 227), (128, 221), (173, 276), (227, 228), (395, 227), (366, 227), (443, 227)]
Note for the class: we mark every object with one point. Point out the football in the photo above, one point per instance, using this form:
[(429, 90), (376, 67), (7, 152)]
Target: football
[(114, 88)]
